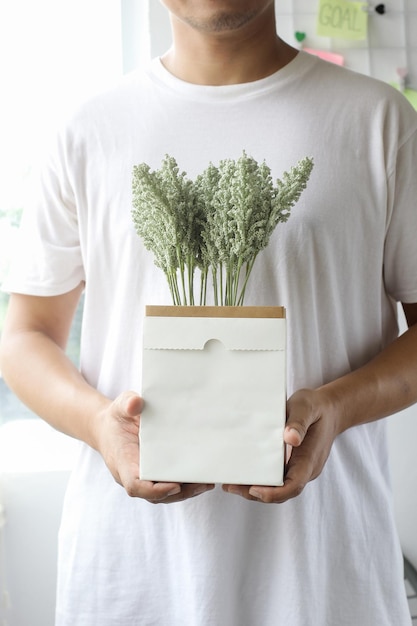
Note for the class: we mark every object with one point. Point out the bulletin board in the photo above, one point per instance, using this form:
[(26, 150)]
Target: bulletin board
[(375, 38)]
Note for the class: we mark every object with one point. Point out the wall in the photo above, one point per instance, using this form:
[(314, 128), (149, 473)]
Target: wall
[(34, 503), (159, 28), (34, 468), (135, 49), (391, 41)]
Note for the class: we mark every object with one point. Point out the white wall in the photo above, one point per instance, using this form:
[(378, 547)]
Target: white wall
[(135, 49), (391, 40), (33, 506), (160, 29), (34, 470)]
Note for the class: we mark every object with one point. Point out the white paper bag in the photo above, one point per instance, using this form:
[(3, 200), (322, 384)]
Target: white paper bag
[(214, 389)]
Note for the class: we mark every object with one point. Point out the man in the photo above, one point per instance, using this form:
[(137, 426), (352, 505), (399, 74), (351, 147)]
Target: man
[(322, 552)]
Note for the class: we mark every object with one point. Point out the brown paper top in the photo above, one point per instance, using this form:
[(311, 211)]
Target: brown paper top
[(216, 311)]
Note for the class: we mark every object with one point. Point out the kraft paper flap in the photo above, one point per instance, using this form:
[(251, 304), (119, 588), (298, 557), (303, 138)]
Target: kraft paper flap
[(215, 311), (192, 333)]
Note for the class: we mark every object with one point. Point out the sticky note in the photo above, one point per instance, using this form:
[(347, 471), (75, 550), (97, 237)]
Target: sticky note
[(410, 94), (342, 19), (332, 57)]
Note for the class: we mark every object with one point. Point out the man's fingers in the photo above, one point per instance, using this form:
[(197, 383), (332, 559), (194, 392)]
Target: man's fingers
[(134, 405), (159, 492), (128, 404), (167, 493), (292, 435), (301, 414)]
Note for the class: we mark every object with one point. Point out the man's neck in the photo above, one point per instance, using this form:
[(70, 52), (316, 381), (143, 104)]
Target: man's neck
[(225, 58)]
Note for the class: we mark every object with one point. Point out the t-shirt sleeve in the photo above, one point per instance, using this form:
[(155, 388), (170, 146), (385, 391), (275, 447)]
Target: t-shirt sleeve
[(47, 259), (400, 254)]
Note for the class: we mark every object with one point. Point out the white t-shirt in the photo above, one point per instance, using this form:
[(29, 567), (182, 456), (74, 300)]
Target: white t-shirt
[(331, 556)]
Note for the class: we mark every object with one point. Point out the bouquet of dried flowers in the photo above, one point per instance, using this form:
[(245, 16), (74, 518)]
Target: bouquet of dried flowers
[(216, 224)]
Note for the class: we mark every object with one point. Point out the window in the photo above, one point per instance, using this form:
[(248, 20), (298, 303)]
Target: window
[(53, 55)]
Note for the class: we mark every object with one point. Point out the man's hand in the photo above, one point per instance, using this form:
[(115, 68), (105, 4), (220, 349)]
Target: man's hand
[(33, 343), (118, 442), (312, 425)]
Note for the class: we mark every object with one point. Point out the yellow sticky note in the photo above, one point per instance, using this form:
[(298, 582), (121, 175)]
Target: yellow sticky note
[(410, 94), (342, 19)]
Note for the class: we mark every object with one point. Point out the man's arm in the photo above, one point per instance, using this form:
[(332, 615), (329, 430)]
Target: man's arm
[(35, 366), (315, 417)]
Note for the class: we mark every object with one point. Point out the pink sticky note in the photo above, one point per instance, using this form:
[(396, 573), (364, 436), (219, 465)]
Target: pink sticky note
[(332, 57)]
